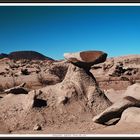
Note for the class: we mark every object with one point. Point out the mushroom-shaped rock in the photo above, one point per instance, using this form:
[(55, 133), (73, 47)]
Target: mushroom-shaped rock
[(86, 59), (77, 89)]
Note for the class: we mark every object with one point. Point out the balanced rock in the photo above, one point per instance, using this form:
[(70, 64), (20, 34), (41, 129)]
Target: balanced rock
[(86, 59), (77, 88)]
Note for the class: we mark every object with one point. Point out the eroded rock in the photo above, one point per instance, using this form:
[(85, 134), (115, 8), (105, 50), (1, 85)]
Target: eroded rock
[(17, 90), (78, 85), (131, 115), (131, 98), (86, 59), (116, 109), (77, 94), (133, 91)]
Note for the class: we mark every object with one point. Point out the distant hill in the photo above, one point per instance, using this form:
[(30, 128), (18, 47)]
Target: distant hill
[(30, 55), (3, 55)]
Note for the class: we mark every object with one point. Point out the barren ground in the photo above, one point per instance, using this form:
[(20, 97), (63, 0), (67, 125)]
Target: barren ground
[(114, 88)]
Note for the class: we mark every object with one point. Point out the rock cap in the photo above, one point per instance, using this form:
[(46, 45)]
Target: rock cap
[(86, 59)]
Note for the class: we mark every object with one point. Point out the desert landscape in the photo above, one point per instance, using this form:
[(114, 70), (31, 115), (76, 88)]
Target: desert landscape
[(85, 93)]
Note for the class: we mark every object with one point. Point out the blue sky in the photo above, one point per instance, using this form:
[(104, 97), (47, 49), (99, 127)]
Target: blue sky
[(53, 30)]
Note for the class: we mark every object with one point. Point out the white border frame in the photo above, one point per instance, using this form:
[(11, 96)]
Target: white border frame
[(69, 4), (70, 135)]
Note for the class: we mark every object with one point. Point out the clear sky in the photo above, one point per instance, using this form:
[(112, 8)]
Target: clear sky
[(54, 30)]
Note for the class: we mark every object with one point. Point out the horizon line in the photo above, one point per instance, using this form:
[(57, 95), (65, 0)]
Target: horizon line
[(108, 56)]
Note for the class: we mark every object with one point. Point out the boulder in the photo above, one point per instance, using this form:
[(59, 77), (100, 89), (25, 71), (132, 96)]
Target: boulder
[(116, 109), (131, 115), (133, 91), (131, 98), (86, 59)]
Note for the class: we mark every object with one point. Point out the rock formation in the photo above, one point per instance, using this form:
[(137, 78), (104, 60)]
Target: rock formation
[(77, 95), (131, 99), (86, 59), (78, 85), (117, 72), (17, 90), (131, 115)]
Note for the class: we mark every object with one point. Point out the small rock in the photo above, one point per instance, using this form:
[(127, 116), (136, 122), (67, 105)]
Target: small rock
[(25, 71), (30, 99), (37, 127)]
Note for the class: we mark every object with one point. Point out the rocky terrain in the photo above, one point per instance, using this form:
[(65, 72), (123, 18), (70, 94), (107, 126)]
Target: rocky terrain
[(118, 72), (84, 93)]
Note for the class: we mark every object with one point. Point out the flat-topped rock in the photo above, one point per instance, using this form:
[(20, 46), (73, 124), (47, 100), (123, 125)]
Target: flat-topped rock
[(86, 59)]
